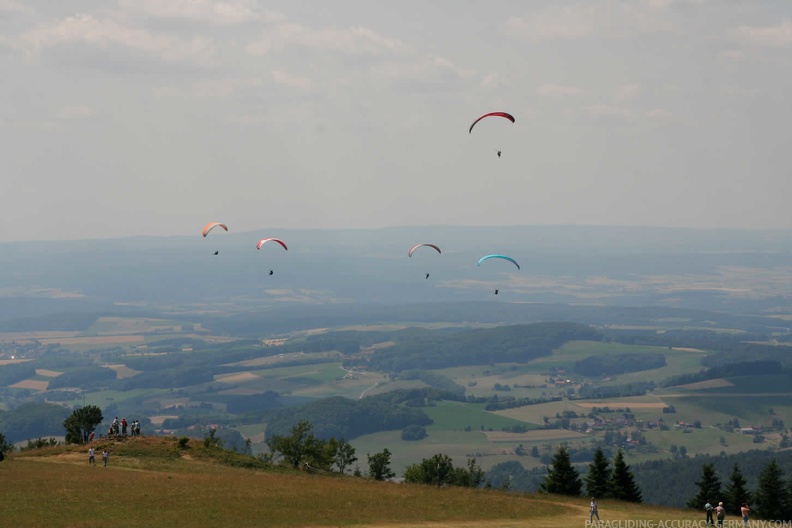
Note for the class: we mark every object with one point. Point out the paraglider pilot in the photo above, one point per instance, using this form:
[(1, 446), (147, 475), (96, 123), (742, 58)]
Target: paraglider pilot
[(496, 291), (271, 272), (427, 275)]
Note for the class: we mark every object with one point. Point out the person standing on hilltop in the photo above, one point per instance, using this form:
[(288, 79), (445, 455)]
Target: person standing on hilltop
[(104, 457), (91, 458), (709, 509), (720, 512)]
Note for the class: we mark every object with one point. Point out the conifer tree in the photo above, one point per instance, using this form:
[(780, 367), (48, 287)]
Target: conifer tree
[(622, 484), (562, 477), (598, 475), (771, 494), (736, 491), (709, 488)]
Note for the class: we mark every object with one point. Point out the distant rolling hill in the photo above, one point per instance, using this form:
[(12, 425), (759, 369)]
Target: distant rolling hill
[(724, 270)]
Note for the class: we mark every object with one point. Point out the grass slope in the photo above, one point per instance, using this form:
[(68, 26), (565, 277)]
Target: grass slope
[(151, 482)]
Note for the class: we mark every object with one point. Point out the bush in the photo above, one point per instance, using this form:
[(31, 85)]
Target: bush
[(183, 442)]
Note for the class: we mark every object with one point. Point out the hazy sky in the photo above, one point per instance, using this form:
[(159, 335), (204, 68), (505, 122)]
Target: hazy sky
[(146, 117)]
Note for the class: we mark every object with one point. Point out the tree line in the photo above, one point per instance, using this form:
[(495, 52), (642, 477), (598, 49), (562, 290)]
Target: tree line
[(481, 346), (602, 481), (770, 500)]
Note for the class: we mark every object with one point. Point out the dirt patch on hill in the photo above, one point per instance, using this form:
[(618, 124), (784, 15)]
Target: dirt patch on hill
[(31, 384), (537, 435), (12, 361), (623, 404), (96, 340), (48, 373), (157, 420), (123, 372), (708, 384), (239, 377)]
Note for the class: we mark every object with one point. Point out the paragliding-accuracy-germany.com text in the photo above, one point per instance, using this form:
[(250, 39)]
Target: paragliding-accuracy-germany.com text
[(683, 523)]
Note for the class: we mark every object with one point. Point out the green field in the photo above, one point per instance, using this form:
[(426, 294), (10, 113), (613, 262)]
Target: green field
[(530, 380)]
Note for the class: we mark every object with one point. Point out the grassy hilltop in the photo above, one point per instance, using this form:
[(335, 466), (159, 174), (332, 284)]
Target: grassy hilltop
[(153, 482)]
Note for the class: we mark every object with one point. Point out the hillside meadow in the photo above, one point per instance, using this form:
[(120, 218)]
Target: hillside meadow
[(154, 483)]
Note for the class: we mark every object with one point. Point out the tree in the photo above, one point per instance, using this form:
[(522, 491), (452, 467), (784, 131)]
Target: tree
[(211, 439), (470, 477), (770, 500), (437, 470), (379, 465), (622, 482), (709, 488), (597, 476), (5, 446), (562, 478), (81, 423), (344, 455), (736, 491), (300, 447)]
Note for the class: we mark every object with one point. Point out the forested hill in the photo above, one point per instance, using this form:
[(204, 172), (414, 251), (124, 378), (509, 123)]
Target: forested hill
[(673, 482), (427, 349), (287, 318)]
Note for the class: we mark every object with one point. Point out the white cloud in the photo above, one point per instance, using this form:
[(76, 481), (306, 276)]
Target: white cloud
[(731, 55), (739, 91), (588, 20), (780, 35), (75, 112), (6, 44), (104, 33), (208, 89), (423, 74), (604, 110), (667, 4), (221, 13), (10, 8), (558, 90), (491, 80), (658, 113), (627, 91), (431, 66), (291, 81), (351, 41)]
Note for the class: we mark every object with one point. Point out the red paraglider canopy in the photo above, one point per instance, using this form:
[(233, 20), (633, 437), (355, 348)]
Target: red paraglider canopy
[(492, 114), (265, 240)]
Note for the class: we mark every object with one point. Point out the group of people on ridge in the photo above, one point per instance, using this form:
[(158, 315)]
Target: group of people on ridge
[(120, 428), (720, 513)]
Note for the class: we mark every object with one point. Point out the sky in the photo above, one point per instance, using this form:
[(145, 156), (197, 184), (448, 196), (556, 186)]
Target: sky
[(150, 117)]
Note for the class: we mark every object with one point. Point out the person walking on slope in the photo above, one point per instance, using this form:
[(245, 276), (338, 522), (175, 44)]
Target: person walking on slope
[(91, 459), (708, 508), (744, 511), (104, 457), (593, 511)]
